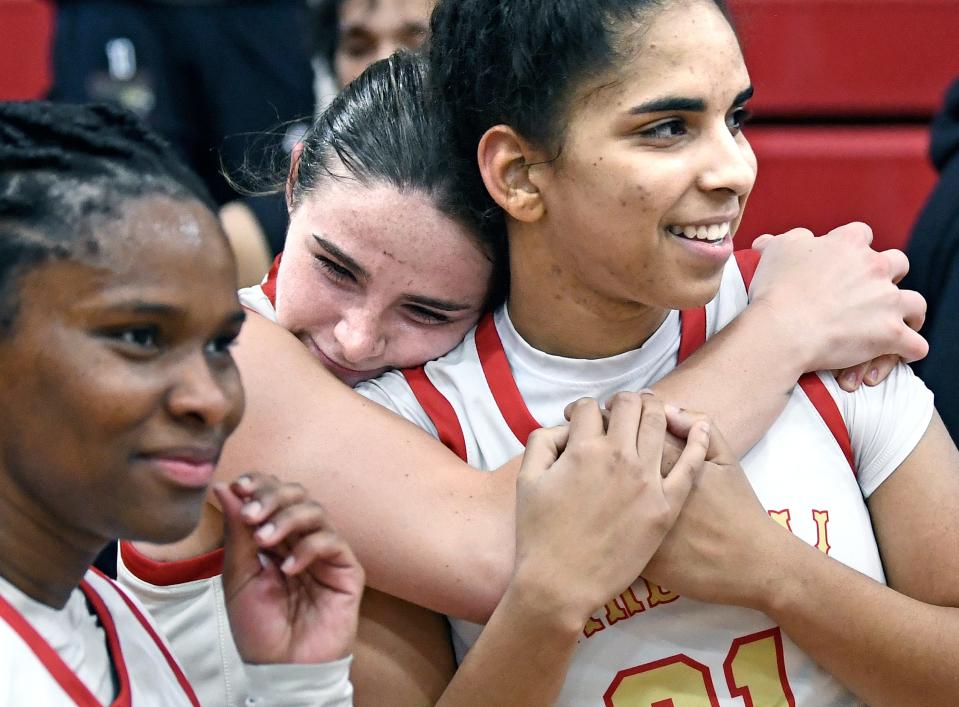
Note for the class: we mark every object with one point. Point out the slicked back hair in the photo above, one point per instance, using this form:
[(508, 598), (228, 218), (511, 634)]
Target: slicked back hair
[(521, 62), (384, 128)]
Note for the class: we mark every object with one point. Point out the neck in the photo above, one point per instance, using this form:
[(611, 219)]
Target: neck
[(579, 321), (38, 556)]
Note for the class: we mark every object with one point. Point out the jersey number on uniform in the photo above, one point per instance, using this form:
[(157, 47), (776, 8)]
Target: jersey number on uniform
[(754, 668)]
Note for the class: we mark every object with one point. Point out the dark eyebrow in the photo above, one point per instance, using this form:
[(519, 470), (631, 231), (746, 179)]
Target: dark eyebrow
[(444, 305), (334, 250), (679, 103), (155, 309), (146, 308)]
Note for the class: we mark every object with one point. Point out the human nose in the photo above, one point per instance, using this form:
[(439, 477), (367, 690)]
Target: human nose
[(358, 336), (206, 394), (730, 164)]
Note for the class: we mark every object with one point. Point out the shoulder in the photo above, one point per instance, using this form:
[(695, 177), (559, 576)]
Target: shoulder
[(885, 422)]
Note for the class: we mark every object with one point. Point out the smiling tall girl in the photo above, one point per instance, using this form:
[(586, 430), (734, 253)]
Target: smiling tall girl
[(608, 132)]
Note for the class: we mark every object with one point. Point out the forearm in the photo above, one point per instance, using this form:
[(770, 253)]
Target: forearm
[(521, 658), (747, 355), (886, 647), (425, 526)]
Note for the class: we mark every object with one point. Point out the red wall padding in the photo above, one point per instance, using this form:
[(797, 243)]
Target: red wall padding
[(26, 27), (849, 57), (820, 177)]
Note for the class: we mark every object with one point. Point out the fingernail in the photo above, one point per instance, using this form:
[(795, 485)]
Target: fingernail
[(265, 531), (287, 564), (252, 509), (647, 391), (850, 378), (672, 409), (244, 480), (872, 376), (704, 426)]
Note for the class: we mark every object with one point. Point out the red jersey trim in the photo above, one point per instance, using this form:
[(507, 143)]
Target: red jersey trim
[(171, 661), (692, 332), (438, 409), (123, 698), (269, 284), (165, 574), (502, 385), (496, 368), (810, 383), (51, 660)]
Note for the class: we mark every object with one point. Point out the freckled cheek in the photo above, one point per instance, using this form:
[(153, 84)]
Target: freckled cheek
[(415, 348)]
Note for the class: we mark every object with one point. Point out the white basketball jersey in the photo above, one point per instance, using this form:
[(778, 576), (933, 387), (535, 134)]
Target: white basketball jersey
[(649, 647), (33, 673)]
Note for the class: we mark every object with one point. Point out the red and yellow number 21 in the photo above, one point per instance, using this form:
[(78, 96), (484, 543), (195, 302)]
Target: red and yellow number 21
[(754, 670)]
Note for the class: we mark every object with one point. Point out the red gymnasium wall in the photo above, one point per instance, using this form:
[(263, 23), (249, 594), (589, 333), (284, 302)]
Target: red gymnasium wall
[(26, 27), (844, 93)]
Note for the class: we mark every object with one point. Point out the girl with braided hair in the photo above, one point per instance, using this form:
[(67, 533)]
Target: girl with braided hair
[(117, 312)]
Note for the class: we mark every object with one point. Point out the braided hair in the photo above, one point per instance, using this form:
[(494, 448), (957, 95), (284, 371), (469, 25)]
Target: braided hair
[(64, 168)]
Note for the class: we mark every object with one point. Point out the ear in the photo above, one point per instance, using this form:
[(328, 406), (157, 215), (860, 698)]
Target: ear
[(293, 174), (504, 159)]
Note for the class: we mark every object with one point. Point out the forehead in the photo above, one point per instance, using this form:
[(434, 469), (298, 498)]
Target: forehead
[(687, 48), (384, 12), (381, 220), (161, 238), (161, 250)]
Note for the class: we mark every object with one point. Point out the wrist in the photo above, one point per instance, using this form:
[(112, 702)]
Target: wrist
[(553, 609), (777, 583), (783, 343)]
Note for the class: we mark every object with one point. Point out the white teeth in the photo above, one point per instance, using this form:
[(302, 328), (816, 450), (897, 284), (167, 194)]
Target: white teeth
[(711, 233)]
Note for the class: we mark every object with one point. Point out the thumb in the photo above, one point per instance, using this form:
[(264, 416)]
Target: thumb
[(544, 447), (240, 559), (680, 481)]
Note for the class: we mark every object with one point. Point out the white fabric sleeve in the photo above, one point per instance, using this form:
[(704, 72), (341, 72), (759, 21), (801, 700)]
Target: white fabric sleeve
[(320, 685), (885, 422), (393, 392), (192, 617)]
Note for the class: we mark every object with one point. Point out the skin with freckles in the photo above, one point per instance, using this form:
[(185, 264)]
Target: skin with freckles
[(373, 279), (654, 144), (373, 29)]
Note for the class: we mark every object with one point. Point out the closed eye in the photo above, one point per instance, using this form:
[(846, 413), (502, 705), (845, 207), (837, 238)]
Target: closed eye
[(426, 316), (334, 270)]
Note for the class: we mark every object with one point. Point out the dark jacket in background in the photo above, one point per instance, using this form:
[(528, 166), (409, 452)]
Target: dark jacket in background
[(934, 255)]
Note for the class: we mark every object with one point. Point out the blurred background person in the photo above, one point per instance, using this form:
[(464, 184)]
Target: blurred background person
[(934, 255)]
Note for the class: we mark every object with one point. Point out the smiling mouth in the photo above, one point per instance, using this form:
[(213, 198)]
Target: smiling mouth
[(714, 233)]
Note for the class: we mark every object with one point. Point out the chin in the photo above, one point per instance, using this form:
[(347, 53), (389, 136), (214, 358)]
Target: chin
[(167, 522), (695, 294)]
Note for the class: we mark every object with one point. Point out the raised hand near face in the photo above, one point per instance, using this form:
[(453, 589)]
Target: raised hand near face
[(292, 585)]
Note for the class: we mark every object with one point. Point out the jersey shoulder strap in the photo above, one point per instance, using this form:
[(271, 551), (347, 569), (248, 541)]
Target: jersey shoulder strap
[(438, 409), (811, 383)]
